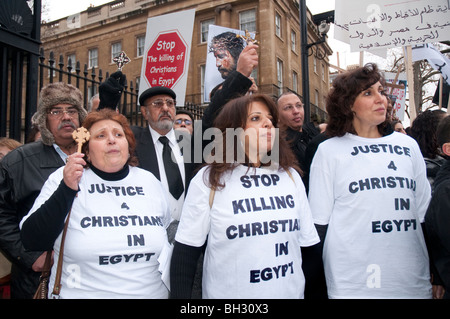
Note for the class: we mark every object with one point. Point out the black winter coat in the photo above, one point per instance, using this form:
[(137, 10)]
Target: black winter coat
[(437, 222), (23, 172)]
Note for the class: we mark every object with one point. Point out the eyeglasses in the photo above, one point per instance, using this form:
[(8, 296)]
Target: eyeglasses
[(179, 121), (60, 113), (160, 103)]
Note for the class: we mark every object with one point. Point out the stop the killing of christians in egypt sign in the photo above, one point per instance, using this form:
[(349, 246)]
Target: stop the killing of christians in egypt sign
[(166, 53)]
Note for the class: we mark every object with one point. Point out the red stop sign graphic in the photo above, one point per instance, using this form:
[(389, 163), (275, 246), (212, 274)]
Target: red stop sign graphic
[(165, 60)]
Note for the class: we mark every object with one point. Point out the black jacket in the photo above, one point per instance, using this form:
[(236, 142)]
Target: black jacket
[(235, 85), (146, 154), (23, 172), (437, 222)]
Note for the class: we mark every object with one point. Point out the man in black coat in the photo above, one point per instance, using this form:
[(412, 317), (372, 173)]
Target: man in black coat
[(158, 106), (24, 171), (437, 218)]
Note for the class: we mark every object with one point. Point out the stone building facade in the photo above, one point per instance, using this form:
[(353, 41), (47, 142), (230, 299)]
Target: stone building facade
[(96, 34)]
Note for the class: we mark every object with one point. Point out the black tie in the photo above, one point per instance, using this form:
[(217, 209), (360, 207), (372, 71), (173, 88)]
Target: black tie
[(173, 174)]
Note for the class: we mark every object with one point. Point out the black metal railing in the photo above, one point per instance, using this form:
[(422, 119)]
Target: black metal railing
[(88, 81)]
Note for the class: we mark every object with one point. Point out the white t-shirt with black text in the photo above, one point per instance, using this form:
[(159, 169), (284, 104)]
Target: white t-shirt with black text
[(115, 235), (373, 194), (255, 228)]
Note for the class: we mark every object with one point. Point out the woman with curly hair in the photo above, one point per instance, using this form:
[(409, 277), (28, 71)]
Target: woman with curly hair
[(368, 196)]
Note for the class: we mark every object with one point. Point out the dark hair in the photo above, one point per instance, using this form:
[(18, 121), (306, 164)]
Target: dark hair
[(228, 41), (345, 88), (185, 112), (443, 131), (234, 115), (108, 114), (423, 130)]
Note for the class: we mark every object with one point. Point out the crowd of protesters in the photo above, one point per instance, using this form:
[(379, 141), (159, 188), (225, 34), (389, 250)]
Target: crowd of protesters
[(281, 208)]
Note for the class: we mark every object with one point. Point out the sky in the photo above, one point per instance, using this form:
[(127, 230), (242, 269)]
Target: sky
[(59, 9)]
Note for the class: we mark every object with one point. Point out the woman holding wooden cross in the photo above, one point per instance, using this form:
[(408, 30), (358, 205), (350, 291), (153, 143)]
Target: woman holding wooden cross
[(117, 219)]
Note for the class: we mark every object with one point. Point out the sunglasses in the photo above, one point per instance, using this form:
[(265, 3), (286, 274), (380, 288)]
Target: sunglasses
[(179, 121)]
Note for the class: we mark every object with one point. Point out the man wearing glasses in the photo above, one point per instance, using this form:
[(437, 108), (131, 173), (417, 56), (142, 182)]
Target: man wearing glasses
[(184, 121), (24, 171), (155, 142)]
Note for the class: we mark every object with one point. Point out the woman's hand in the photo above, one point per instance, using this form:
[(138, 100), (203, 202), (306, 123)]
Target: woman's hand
[(74, 170), (38, 265)]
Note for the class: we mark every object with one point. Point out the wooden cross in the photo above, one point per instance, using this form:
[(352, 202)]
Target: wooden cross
[(81, 135), (247, 38), (121, 60)]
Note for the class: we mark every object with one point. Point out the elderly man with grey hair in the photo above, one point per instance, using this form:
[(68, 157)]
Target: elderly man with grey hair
[(24, 171)]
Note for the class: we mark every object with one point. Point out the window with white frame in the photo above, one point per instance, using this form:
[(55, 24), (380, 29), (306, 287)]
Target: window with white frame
[(93, 58), (71, 61), (278, 25), (293, 41), (202, 82), (280, 76), (204, 29), (140, 43), (316, 97), (247, 20), (254, 74), (294, 81), (90, 94), (137, 82), (116, 48), (315, 65)]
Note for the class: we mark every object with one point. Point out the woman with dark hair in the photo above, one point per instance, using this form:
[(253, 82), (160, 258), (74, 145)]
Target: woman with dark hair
[(250, 205), (397, 126), (423, 130), (368, 196), (118, 217)]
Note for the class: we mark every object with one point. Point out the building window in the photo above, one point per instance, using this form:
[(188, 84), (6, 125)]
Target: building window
[(316, 97), (92, 12), (117, 5), (254, 75), (93, 58), (204, 28), (294, 81), (140, 43), (90, 93), (323, 72), (247, 20), (116, 48), (202, 82), (293, 41), (315, 65), (137, 82), (278, 25), (280, 76), (71, 62)]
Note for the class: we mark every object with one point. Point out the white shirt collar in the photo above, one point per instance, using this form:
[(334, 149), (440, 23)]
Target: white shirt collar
[(60, 152), (170, 135)]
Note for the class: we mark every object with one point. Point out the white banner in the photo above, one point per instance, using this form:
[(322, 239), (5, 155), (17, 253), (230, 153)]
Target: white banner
[(376, 24), (167, 51), (437, 60)]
